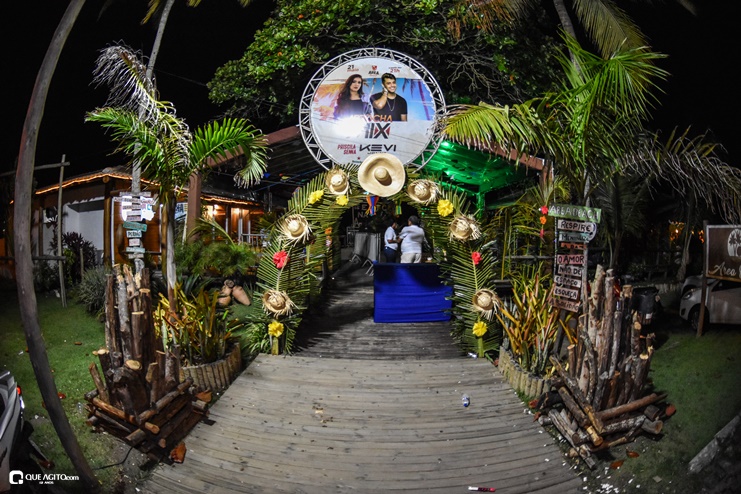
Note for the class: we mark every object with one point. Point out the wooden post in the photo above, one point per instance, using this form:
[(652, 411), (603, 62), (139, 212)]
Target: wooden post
[(107, 225), (704, 294), (60, 264)]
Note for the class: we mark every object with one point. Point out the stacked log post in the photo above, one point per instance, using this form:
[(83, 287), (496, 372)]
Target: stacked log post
[(603, 399), (139, 395)]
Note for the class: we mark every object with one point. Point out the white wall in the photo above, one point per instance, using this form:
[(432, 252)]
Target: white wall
[(89, 224)]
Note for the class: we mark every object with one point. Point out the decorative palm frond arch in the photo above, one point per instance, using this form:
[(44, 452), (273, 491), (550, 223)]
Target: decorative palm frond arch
[(303, 238)]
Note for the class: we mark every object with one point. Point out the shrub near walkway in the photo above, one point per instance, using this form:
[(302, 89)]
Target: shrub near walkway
[(70, 334)]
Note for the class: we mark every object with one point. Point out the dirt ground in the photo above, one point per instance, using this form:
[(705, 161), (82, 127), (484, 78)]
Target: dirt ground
[(134, 468)]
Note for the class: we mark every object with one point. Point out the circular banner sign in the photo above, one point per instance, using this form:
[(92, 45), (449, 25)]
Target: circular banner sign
[(371, 101)]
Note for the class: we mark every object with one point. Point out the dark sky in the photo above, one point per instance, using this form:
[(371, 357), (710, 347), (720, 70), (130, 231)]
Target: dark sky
[(703, 57), (701, 91), (196, 42)]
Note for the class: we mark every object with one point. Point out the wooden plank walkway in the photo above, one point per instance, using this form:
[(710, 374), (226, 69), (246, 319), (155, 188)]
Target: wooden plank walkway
[(313, 423)]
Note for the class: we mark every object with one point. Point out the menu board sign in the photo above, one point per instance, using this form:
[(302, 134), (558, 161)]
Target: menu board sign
[(134, 210), (576, 226)]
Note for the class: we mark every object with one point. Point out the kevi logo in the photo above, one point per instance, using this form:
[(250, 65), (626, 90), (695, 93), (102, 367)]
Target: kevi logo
[(16, 477)]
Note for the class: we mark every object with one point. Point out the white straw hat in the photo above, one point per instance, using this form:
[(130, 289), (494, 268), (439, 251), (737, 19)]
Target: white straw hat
[(423, 191), (486, 302), (464, 228), (382, 174), (277, 303), (295, 228), (337, 182)]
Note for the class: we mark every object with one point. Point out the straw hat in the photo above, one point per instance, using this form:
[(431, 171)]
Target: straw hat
[(423, 191), (295, 228), (277, 303), (485, 301), (382, 174), (464, 228), (337, 182)]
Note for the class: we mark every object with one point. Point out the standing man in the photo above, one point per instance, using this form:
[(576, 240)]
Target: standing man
[(412, 237), (390, 245), (387, 105)]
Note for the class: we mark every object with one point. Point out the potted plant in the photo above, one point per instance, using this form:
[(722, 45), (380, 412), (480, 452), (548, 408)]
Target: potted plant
[(201, 333), (531, 325)]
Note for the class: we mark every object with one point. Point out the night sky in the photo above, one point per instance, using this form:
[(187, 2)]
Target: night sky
[(701, 91)]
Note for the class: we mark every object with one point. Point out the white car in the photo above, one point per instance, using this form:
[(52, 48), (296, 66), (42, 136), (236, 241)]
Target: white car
[(690, 282), (723, 304)]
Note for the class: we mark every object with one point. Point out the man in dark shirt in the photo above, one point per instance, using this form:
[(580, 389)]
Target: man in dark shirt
[(387, 105)]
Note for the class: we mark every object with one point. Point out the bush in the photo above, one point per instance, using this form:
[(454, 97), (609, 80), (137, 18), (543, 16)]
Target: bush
[(91, 290), (196, 325), (215, 254), (531, 322), (45, 276), (72, 245)]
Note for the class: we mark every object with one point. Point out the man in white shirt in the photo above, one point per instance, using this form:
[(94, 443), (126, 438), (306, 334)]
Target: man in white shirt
[(390, 245), (412, 237)]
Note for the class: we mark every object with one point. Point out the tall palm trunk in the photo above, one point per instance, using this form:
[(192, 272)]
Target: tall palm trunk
[(22, 240), (566, 24), (170, 249), (136, 172), (563, 16)]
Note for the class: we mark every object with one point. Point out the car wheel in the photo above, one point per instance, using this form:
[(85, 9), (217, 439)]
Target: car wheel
[(695, 318)]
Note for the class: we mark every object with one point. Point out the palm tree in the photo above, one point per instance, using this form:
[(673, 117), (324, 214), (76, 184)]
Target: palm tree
[(624, 200), (593, 129), (149, 131), (607, 26), (157, 8), (22, 249)]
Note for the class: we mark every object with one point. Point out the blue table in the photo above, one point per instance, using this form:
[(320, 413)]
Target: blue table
[(409, 293)]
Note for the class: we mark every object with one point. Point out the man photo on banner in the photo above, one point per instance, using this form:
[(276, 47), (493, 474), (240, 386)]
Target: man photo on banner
[(388, 106)]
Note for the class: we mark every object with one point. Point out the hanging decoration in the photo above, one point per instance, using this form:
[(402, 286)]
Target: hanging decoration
[(277, 303), (423, 191), (337, 182), (543, 219), (464, 228), (295, 228), (372, 201)]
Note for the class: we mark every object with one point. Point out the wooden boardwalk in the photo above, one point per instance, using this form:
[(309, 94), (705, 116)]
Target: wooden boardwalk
[(375, 412)]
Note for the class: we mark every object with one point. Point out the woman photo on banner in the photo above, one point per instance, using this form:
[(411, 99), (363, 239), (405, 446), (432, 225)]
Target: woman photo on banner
[(350, 101)]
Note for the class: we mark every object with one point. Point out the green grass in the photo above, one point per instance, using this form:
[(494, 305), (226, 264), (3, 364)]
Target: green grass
[(700, 376), (62, 328)]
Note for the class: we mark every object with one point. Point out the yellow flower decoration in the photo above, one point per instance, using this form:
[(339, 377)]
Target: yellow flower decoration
[(341, 200), (316, 196), (275, 329), (479, 329), (444, 207)]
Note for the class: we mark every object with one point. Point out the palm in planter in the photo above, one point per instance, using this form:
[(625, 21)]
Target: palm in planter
[(149, 131)]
